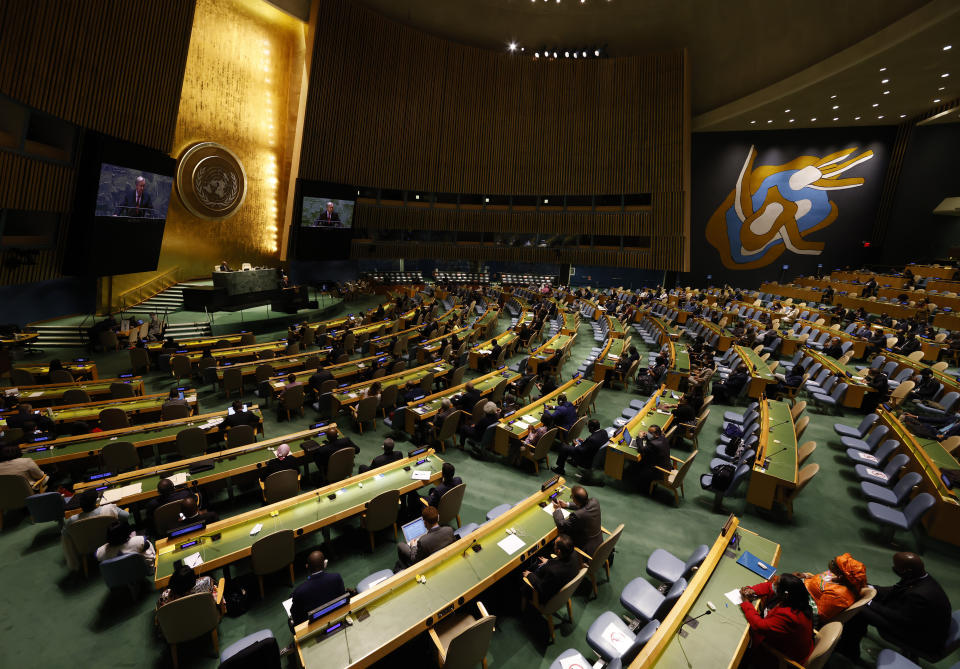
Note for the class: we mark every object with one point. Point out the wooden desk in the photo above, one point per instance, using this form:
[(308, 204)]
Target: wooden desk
[(399, 608), (432, 348), (429, 406), (558, 342), (615, 328), (488, 321), (151, 435), (724, 340), (194, 343), (285, 363), (483, 349), (134, 407), (857, 387), (950, 383), (928, 458), (618, 454), (717, 640), (234, 352), (768, 485), (571, 323), (50, 393), (514, 427), (609, 357), (760, 374), (80, 370), (304, 514), (352, 394)]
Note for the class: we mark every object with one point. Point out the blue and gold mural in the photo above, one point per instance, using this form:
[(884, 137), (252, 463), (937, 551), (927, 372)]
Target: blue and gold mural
[(775, 208), (780, 203)]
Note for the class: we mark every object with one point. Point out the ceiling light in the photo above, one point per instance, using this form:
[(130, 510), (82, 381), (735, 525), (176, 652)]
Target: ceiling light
[(575, 54), (836, 118), (536, 54), (833, 97), (786, 111), (814, 118), (416, 197), (903, 116), (876, 104), (596, 52), (584, 54), (486, 199), (770, 120), (886, 92), (791, 121), (566, 54), (881, 116), (836, 106), (753, 122), (948, 47), (942, 88), (883, 69), (937, 100), (944, 75), (554, 54), (856, 118), (885, 81), (512, 46)]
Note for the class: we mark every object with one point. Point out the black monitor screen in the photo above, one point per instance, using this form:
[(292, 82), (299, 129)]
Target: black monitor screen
[(132, 193), (327, 213)]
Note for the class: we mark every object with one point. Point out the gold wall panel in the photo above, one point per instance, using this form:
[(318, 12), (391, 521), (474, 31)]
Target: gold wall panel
[(241, 89)]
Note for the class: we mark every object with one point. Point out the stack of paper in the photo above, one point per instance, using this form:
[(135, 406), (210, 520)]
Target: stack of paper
[(511, 544), (179, 478), (111, 496)]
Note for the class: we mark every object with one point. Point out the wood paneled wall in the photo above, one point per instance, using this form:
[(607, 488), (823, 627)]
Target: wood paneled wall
[(392, 107), (109, 65), (33, 184)]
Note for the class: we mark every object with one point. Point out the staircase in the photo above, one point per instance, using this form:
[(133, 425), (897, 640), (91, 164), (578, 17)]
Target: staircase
[(168, 301)]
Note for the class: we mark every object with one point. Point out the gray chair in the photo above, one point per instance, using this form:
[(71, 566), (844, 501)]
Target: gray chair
[(739, 476), (241, 435), (340, 465), (191, 442), (259, 650), (189, 617), (381, 512), (272, 553), (113, 419), (894, 496), (128, 571), (120, 390), (374, 579), (563, 597), (667, 568), (462, 639), (607, 650), (884, 450), (907, 519), (86, 536), (896, 463), (866, 444), (119, 456), (281, 485), (646, 602), (601, 557), (46, 507), (75, 396)]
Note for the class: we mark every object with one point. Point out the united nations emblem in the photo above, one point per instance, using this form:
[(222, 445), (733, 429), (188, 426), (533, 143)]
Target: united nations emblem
[(776, 208), (211, 181)]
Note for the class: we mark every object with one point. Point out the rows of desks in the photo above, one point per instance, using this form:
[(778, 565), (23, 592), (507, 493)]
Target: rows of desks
[(775, 469), (504, 340), (50, 393), (950, 383), (519, 424), (354, 393), (609, 357), (558, 342), (618, 453), (857, 387), (303, 514), (134, 407), (760, 374), (286, 363), (81, 369), (200, 343), (429, 406)]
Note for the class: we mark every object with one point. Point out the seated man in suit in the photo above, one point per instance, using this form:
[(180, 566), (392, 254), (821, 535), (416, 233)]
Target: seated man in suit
[(448, 481), (224, 267), (468, 398), (582, 524), (334, 442), (437, 536), (190, 513), (550, 575), (320, 587), (87, 501), (166, 493), (654, 452), (475, 432), (283, 461), (582, 450), (565, 414), (385, 458), (731, 387), (174, 400), (486, 362), (239, 417)]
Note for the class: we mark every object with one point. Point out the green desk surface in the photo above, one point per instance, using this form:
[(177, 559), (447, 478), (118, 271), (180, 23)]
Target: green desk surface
[(647, 416), (54, 391), (613, 351), (715, 640), (758, 368), (309, 511), (574, 391), (948, 381), (76, 368), (937, 458), (283, 362), (667, 329), (557, 342), (236, 351), (355, 392), (502, 339), (781, 444), (91, 412), (196, 342), (681, 359), (352, 367), (430, 405), (89, 445), (488, 317), (226, 463), (435, 343), (616, 325), (386, 340), (397, 608)]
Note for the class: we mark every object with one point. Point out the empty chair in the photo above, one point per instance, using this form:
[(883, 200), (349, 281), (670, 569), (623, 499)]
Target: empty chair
[(45, 507), (906, 519), (139, 359), (292, 400), (600, 641), (113, 419), (646, 602), (61, 376), (374, 579), (868, 444), (673, 480), (189, 617), (281, 485), (340, 465), (128, 570), (834, 399), (21, 377), (564, 596), (232, 381), (75, 396), (462, 639), (174, 412), (894, 496), (804, 477), (381, 512), (897, 462), (191, 442), (498, 510), (181, 368), (240, 435), (666, 567), (805, 451), (858, 432), (120, 390), (272, 553), (877, 457), (259, 650), (119, 456)]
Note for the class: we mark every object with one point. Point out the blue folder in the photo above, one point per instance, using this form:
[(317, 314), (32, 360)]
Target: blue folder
[(756, 565)]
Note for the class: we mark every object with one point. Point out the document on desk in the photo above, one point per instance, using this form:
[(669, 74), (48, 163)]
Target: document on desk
[(194, 560), (179, 478), (38, 393), (420, 475), (549, 508), (111, 496), (511, 544), (734, 596)]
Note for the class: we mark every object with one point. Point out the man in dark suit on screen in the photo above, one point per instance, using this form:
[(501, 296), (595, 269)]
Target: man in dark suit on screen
[(136, 203), (328, 218)]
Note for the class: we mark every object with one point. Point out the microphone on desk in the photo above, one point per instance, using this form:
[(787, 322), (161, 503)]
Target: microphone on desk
[(690, 620), (781, 423), (766, 460)]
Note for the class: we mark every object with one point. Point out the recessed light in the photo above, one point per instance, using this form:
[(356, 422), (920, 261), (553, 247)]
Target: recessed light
[(791, 121), (937, 100), (886, 92), (948, 47), (536, 54), (942, 88), (876, 104), (596, 52), (814, 118), (512, 46), (752, 122), (885, 81), (786, 111), (881, 116), (944, 75), (903, 116), (836, 106), (856, 118), (486, 199), (770, 120), (836, 118), (833, 97), (883, 69)]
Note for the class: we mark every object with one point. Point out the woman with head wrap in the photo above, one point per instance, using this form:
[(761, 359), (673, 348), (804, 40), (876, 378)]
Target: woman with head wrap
[(837, 588), (283, 461)]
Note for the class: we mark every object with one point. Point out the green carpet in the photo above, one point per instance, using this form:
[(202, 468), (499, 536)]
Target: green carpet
[(57, 618)]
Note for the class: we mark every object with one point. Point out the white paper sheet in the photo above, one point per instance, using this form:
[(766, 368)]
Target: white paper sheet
[(288, 607), (549, 508), (734, 596), (193, 561), (38, 393), (616, 638), (179, 478), (511, 544), (420, 475), (111, 496), (573, 663)]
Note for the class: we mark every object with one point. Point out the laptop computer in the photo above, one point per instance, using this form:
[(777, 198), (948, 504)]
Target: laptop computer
[(413, 529), (627, 438)]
